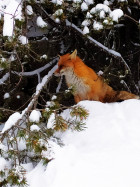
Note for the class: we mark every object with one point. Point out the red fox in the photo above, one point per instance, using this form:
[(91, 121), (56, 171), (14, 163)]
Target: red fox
[(87, 84)]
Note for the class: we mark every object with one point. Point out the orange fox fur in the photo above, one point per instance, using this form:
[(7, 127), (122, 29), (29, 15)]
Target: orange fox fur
[(88, 85)]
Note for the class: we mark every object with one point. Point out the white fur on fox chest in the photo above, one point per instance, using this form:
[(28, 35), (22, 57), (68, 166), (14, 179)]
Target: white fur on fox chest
[(80, 87)]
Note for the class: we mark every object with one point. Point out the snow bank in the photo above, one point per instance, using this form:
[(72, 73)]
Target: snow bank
[(106, 154)]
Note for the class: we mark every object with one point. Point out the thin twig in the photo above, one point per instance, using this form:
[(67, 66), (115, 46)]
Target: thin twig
[(125, 15)]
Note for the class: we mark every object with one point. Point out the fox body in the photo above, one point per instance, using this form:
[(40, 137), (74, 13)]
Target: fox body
[(87, 84)]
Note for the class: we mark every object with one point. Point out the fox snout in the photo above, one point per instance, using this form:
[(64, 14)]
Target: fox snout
[(59, 71)]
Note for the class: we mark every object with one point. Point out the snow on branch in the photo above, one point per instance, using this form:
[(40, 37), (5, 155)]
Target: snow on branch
[(31, 73), (12, 11), (15, 119), (110, 52), (4, 78), (37, 71)]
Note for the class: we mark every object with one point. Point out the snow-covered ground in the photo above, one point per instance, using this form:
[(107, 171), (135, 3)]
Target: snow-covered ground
[(106, 154)]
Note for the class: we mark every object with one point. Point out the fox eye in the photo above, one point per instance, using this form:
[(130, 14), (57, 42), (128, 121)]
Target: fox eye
[(61, 66)]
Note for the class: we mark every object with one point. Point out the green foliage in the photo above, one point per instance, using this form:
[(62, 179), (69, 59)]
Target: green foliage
[(13, 177), (34, 137)]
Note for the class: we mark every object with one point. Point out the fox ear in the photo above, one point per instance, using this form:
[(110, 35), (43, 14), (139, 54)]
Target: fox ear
[(73, 55)]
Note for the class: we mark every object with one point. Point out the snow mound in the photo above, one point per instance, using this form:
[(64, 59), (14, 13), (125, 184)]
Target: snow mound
[(106, 154)]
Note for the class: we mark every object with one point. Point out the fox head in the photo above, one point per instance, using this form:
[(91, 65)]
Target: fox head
[(66, 63)]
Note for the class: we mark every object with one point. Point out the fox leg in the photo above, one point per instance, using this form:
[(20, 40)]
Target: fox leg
[(123, 95)]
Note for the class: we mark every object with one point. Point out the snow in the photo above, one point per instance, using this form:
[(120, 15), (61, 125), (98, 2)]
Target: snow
[(88, 15), (3, 147), (35, 116), (97, 26), (106, 3), (100, 73), (86, 22), (77, 1), (57, 20), (34, 128), (44, 56), (84, 6), (93, 10), (54, 97), (106, 21), (45, 79), (28, 167), (18, 96), (3, 164), (13, 11), (102, 14), (89, 2), (59, 12), (21, 144), (40, 22), (11, 121), (86, 30), (6, 95), (51, 120), (29, 10), (103, 7), (116, 14), (106, 154), (23, 40), (59, 2)]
